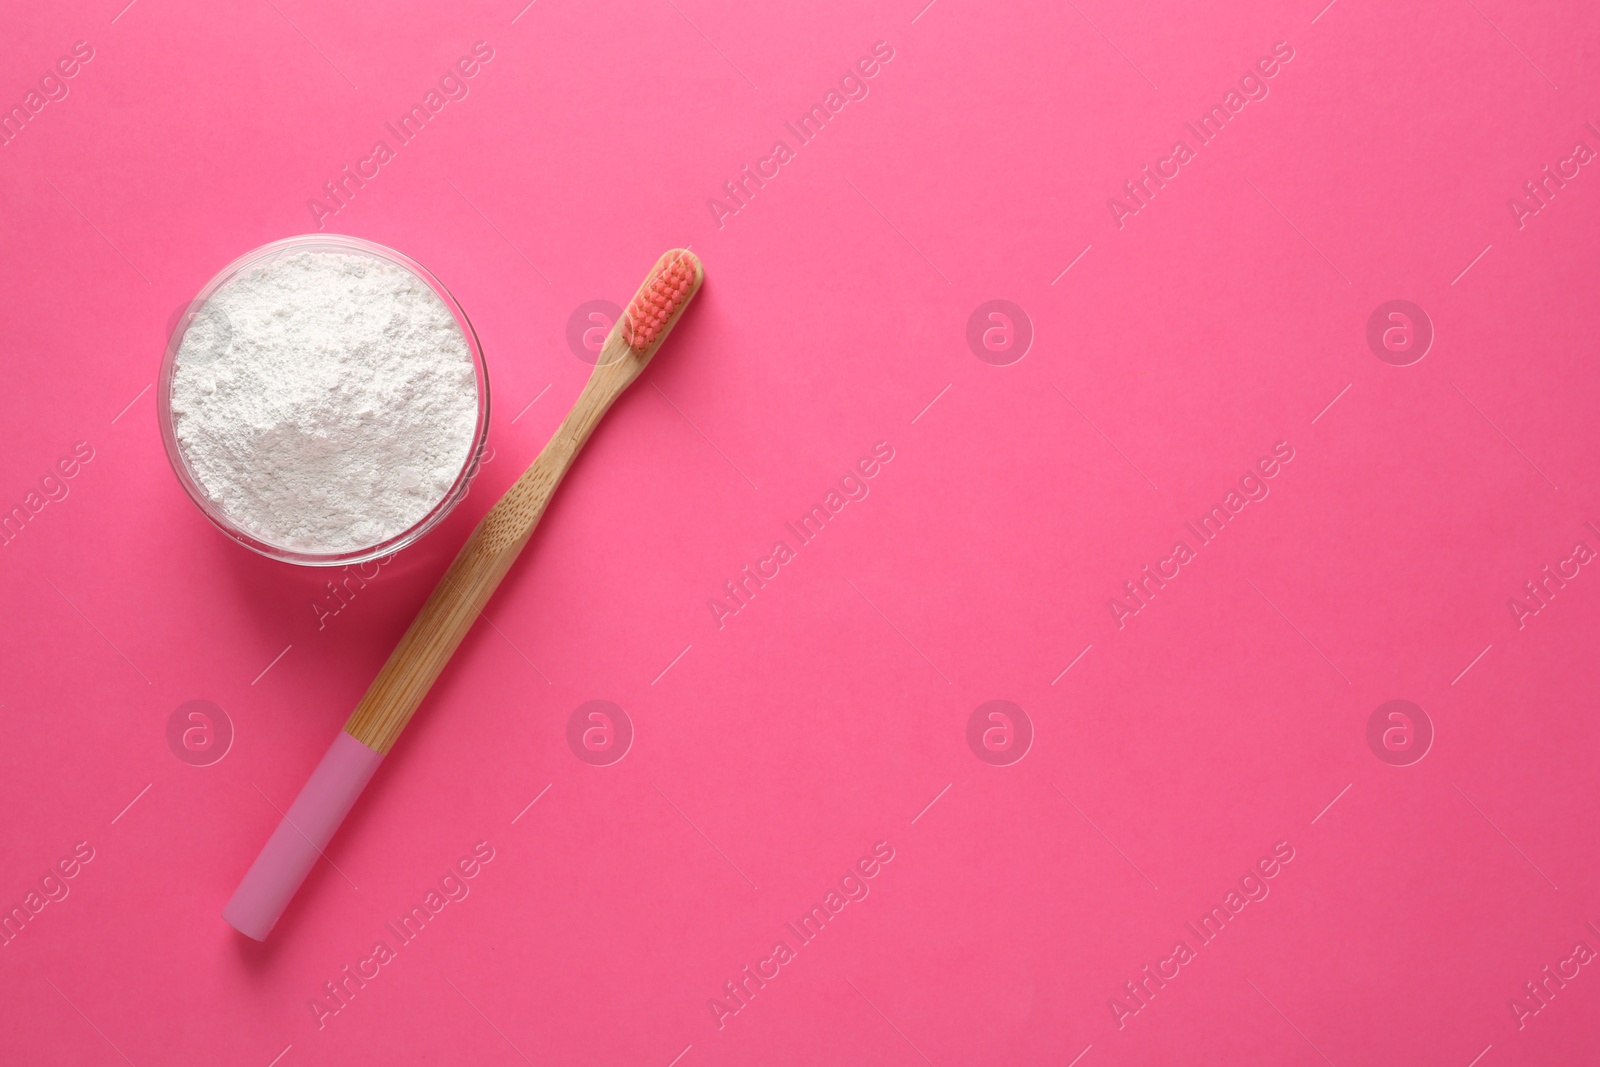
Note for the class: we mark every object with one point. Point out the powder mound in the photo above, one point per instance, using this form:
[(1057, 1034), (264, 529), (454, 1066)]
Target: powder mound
[(325, 401)]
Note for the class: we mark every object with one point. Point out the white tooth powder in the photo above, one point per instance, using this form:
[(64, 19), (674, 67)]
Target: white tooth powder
[(324, 401)]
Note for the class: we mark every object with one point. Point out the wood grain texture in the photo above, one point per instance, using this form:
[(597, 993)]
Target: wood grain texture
[(494, 545)]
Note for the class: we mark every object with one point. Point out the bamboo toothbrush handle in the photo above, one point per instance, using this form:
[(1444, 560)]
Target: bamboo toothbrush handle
[(453, 607), (466, 587)]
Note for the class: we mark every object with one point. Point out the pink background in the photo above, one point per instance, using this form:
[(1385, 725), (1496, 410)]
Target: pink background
[(1224, 317)]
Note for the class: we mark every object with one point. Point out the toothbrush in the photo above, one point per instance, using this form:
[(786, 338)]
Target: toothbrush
[(454, 606)]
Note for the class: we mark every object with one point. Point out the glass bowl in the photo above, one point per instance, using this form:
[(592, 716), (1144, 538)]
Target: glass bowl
[(196, 310)]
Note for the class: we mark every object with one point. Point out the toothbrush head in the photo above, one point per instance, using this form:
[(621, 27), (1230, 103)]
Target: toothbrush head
[(676, 277)]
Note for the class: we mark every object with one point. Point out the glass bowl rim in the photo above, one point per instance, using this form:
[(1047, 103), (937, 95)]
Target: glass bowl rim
[(320, 242)]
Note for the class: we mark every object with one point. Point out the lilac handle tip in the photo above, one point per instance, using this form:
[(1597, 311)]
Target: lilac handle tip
[(294, 847)]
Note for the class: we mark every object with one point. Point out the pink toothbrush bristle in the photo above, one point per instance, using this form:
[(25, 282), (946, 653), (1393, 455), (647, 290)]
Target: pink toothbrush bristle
[(656, 302)]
